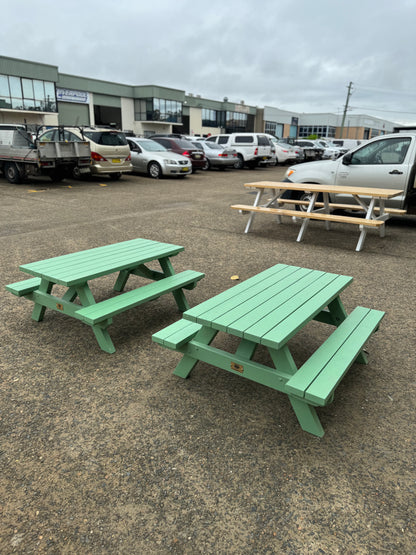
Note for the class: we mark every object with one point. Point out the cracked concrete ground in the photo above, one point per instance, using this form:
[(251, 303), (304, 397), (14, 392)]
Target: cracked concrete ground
[(113, 454)]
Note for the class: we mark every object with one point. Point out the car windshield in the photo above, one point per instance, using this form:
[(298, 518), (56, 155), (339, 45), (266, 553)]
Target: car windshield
[(107, 138), (150, 145)]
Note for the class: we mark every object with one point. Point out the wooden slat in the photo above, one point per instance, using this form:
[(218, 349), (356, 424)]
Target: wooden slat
[(78, 267), (197, 312), (111, 307), (336, 189), (21, 288), (177, 334), (261, 291), (337, 206), (317, 379), (300, 310), (309, 215)]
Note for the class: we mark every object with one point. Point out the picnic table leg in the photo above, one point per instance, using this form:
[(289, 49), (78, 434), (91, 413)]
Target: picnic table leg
[(305, 222), (178, 295), (101, 334), (338, 315), (256, 203), (39, 309), (121, 280), (307, 417), (187, 363)]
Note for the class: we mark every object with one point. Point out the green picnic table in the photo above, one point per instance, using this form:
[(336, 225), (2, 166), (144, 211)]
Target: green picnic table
[(269, 309), (75, 270)]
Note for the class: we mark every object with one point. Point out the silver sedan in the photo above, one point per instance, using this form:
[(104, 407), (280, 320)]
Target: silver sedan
[(155, 160), (217, 156)]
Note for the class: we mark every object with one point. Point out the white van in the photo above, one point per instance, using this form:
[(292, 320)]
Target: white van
[(252, 148), (347, 144)]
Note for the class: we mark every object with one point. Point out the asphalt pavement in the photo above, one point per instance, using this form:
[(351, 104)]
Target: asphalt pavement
[(113, 454)]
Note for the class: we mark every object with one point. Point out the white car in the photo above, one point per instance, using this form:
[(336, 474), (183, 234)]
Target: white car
[(331, 151), (252, 148), (155, 160), (283, 152)]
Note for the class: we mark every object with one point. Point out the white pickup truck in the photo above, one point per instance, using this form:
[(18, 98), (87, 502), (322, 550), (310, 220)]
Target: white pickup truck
[(388, 161)]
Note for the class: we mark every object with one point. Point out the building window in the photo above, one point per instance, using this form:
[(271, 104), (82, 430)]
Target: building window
[(320, 130), (27, 94), (235, 122), (210, 118), (158, 109)]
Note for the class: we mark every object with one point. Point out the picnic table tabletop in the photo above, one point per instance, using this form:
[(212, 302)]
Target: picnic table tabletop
[(79, 267), (269, 308)]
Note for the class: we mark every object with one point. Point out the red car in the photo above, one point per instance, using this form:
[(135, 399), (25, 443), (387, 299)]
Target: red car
[(185, 148)]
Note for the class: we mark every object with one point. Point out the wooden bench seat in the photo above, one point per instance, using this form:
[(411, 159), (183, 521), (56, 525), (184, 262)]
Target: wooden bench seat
[(177, 334), (22, 288), (337, 206), (104, 310), (316, 381), (308, 215)]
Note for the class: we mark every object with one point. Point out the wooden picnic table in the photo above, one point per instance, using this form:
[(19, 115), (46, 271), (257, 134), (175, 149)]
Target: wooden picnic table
[(369, 200), (75, 270), (268, 309)]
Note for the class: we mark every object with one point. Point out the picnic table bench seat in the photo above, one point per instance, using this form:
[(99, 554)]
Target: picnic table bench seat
[(24, 287), (177, 334), (104, 310), (339, 206), (315, 382), (308, 215)]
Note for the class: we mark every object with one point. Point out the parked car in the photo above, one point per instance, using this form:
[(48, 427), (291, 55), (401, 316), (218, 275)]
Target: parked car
[(310, 150), (183, 147), (216, 155), (331, 151), (153, 159), (110, 152), (252, 148), (282, 152)]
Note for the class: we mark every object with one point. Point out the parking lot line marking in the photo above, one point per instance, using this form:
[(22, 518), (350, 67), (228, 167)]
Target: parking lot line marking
[(103, 184)]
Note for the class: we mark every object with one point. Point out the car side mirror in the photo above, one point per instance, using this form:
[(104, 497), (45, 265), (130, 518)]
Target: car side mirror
[(346, 160)]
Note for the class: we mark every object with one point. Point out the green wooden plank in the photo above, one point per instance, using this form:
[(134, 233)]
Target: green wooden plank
[(262, 290), (21, 288), (196, 312), (297, 316), (177, 334), (324, 385), (277, 318), (311, 368), (110, 307), (75, 267), (258, 309)]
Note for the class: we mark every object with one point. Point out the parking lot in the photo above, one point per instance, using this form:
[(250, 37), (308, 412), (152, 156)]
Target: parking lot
[(112, 453)]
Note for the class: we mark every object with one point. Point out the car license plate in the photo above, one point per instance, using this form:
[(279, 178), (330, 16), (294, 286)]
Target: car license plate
[(116, 161), (84, 170), (264, 157), (197, 156), (184, 169)]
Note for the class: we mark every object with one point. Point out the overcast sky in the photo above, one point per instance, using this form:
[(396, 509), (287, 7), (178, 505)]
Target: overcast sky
[(297, 55)]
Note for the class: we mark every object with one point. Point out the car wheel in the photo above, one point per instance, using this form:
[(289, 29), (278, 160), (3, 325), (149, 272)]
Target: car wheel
[(207, 165), (57, 175), (239, 163), (115, 176), (307, 196), (12, 174), (154, 170)]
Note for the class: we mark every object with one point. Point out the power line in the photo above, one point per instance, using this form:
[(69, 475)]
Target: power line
[(380, 110)]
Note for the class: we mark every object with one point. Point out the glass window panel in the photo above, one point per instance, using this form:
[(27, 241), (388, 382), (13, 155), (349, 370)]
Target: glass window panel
[(5, 102), (15, 87), (27, 85), (28, 104), (38, 89), (17, 103), (4, 86), (49, 91)]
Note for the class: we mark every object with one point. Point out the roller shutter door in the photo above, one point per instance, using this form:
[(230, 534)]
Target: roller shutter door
[(73, 114)]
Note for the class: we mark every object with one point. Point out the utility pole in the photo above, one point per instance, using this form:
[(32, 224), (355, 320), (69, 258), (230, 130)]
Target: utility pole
[(346, 108)]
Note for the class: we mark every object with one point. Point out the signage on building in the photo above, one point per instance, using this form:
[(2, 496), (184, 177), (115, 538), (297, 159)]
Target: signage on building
[(69, 95)]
